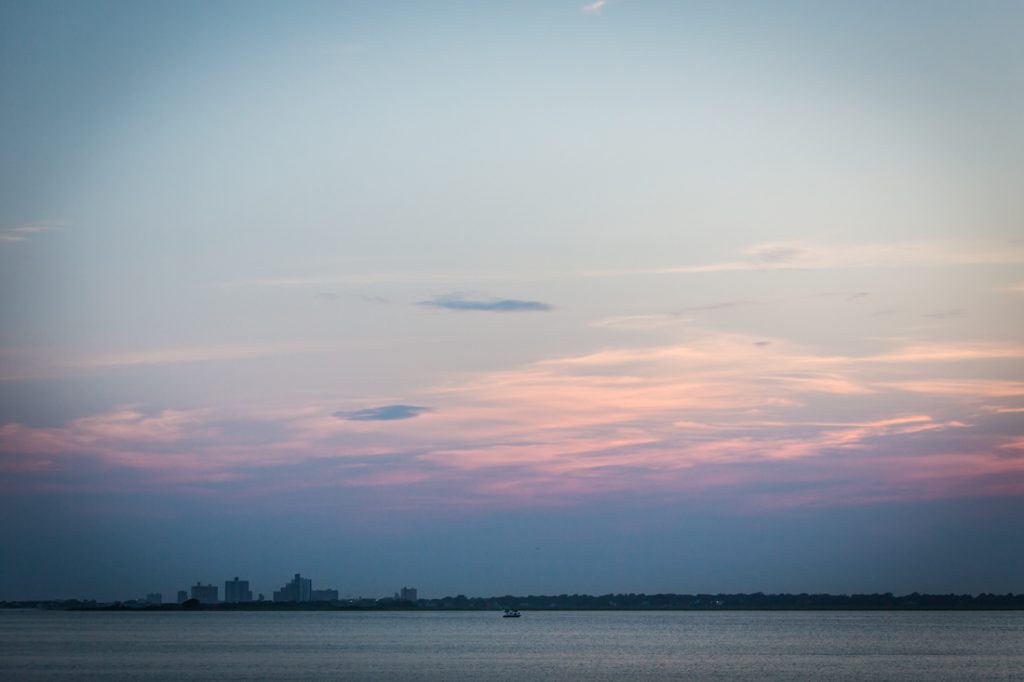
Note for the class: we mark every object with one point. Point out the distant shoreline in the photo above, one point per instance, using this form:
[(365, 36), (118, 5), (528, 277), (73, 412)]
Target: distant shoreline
[(611, 602)]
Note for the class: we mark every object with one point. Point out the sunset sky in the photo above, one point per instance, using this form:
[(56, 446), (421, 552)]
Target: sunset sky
[(520, 297)]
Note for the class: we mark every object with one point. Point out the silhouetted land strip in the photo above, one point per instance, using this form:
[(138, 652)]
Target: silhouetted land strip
[(584, 602)]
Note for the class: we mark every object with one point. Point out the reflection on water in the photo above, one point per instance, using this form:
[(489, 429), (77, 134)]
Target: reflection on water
[(539, 646)]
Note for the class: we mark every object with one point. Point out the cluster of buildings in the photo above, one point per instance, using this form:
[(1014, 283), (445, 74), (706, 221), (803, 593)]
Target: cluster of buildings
[(301, 589), (237, 591)]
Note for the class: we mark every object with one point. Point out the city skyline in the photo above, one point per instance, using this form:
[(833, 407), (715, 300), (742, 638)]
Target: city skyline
[(532, 297), (239, 591)]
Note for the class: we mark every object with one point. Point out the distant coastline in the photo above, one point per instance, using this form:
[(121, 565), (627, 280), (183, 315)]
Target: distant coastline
[(579, 602)]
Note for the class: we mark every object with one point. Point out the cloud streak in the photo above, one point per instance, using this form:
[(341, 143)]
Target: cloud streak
[(384, 413), (24, 232), (464, 303), (759, 257), (710, 415), (27, 363), (188, 354), (810, 256)]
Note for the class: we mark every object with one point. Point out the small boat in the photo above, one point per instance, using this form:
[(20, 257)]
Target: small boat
[(511, 613)]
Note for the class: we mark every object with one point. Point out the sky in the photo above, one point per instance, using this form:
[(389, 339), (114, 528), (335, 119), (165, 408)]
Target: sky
[(522, 297)]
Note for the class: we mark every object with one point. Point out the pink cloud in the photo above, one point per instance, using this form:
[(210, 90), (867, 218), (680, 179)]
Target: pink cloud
[(689, 417), (978, 389)]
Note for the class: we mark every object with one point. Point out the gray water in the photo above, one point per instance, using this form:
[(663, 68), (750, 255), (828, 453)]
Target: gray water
[(554, 645)]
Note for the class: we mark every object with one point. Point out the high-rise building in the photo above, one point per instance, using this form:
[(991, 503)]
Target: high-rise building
[(237, 591), (298, 589), (155, 598), (182, 596), (407, 594), (206, 594)]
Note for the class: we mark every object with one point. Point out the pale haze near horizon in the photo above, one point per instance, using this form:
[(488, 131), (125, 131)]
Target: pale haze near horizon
[(534, 297)]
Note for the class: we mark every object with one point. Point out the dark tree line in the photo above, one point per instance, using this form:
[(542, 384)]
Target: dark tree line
[(757, 601)]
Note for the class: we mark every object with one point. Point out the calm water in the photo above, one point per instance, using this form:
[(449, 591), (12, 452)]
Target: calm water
[(557, 645)]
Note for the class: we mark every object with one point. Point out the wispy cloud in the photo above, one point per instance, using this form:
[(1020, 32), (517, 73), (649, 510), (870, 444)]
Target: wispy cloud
[(27, 363), (768, 256), (809, 256), (188, 354), (721, 305), (714, 412), (660, 320), (24, 232), (384, 413), (595, 7), (965, 389), (641, 322), (329, 280), (463, 302), (948, 352), (364, 278)]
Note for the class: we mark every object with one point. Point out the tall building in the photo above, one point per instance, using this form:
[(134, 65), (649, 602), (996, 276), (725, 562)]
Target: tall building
[(237, 591), (298, 589), (182, 596), (407, 594), (206, 594), (155, 598)]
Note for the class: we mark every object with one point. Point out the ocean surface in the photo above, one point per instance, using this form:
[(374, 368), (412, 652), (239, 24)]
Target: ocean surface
[(552, 645)]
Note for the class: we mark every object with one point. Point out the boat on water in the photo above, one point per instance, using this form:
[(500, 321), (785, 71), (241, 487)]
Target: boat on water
[(511, 613)]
